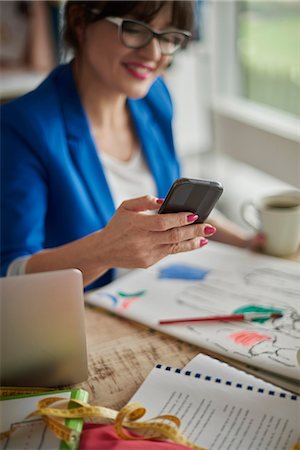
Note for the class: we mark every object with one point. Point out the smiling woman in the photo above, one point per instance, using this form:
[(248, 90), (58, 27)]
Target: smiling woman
[(115, 40), (90, 152)]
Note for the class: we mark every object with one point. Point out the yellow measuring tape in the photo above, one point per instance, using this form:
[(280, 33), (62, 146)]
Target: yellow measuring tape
[(160, 427)]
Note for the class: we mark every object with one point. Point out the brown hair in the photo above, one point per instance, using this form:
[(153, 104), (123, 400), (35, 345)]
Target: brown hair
[(88, 12)]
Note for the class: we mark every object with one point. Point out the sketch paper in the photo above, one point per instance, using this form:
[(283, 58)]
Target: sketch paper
[(31, 433), (223, 280)]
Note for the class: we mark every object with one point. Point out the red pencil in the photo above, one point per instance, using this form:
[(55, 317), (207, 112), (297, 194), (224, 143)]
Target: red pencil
[(229, 318)]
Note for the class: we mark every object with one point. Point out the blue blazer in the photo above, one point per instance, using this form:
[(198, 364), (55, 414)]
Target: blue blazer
[(53, 186)]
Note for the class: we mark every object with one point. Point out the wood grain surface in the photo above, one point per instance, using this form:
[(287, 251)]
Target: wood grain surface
[(122, 353)]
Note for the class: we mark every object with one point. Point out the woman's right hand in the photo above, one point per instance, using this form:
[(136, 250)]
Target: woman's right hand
[(132, 239), (136, 239)]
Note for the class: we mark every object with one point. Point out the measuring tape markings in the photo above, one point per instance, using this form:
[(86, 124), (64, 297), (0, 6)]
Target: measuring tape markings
[(125, 418)]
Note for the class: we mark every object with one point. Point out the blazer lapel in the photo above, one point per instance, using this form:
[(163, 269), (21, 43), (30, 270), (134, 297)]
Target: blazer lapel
[(81, 145)]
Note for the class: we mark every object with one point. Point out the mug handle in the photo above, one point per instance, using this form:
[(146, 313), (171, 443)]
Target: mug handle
[(250, 215)]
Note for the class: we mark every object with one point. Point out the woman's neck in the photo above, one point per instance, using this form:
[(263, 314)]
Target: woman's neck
[(110, 121), (104, 108)]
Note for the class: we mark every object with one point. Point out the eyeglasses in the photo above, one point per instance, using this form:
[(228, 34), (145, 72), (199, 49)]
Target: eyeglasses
[(135, 34)]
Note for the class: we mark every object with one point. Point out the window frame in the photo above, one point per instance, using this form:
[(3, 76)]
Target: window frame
[(227, 97)]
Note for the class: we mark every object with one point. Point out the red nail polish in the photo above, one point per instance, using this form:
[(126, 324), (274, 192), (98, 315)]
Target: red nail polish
[(203, 242), (192, 217), (160, 200), (208, 230)]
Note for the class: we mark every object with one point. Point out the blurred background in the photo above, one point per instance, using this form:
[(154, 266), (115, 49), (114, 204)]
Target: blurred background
[(236, 88)]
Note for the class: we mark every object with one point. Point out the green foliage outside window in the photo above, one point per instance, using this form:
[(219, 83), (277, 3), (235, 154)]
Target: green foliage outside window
[(269, 52)]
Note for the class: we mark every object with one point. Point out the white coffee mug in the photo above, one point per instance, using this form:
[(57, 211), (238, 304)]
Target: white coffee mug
[(278, 218)]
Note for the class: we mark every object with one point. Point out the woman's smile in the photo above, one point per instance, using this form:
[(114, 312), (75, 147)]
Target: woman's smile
[(139, 70)]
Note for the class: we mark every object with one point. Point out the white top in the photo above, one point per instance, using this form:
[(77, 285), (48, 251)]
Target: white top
[(125, 179), (128, 179)]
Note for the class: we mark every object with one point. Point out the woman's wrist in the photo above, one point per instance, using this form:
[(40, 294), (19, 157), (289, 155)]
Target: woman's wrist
[(97, 255), (84, 254)]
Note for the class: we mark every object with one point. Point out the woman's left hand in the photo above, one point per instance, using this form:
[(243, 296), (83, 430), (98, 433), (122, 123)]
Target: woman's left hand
[(232, 234), (255, 242)]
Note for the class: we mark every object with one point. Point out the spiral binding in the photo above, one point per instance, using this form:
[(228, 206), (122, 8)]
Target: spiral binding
[(230, 383)]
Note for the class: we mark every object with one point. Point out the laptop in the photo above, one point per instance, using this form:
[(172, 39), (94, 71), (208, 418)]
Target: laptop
[(43, 340)]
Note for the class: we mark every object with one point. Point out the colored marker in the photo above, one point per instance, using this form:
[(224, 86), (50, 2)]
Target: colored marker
[(228, 318)]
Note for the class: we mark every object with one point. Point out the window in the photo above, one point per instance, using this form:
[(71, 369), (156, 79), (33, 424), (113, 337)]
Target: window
[(268, 47), (255, 70)]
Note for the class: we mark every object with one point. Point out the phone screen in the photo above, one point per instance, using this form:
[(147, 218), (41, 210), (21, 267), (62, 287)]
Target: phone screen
[(194, 195)]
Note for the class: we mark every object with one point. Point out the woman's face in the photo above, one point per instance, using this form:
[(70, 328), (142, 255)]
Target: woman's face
[(106, 62)]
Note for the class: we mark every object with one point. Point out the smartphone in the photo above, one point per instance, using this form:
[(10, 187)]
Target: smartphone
[(196, 196)]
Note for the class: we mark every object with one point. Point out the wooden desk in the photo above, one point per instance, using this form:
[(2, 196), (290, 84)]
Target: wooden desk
[(122, 353)]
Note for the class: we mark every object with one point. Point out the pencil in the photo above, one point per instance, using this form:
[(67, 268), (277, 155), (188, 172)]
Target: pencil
[(228, 318)]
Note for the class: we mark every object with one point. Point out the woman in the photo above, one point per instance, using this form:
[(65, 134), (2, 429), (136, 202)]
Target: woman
[(96, 132)]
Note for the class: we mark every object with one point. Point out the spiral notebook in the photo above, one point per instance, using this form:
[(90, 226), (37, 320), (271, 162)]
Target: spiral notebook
[(218, 413)]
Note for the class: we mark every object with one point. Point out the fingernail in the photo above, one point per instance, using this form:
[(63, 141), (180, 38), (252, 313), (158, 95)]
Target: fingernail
[(160, 200), (209, 230), (192, 217), (203, 242)]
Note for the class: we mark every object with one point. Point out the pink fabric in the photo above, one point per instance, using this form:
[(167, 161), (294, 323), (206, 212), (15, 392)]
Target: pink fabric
[(103, 437)]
